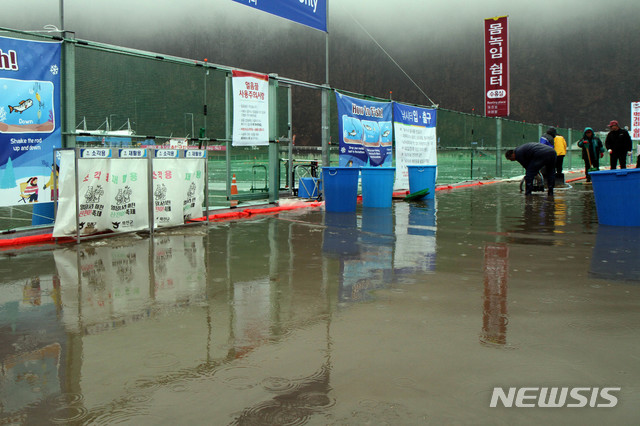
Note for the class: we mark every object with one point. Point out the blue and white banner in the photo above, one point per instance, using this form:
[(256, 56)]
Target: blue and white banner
[(312, 13), (415, 130), (29, 119), (366, 134)]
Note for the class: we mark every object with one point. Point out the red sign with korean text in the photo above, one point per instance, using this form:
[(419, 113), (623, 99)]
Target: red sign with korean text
[(496, 67)]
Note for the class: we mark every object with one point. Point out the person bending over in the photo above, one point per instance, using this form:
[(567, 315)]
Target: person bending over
[(535, 156)]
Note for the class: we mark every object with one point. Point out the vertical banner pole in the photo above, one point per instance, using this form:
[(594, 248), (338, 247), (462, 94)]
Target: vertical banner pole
[(151, 153), (326, 154)]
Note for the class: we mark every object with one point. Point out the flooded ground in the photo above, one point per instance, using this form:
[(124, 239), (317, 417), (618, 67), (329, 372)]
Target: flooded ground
[(402, 316)]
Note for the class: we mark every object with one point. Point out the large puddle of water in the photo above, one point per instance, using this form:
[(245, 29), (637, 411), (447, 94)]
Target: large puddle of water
[(409, 315)]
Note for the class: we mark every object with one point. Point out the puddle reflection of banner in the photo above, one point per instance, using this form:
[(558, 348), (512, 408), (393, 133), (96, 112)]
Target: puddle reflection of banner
[(179, 269), (29, 377), (116, 283), (415, 231), (29, 118), (252, 314), (32, 341), (495, 317)]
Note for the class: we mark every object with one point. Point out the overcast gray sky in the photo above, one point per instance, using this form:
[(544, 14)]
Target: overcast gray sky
[(416, 33), (392, 15)]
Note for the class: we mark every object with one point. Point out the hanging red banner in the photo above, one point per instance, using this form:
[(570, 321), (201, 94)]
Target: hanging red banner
[(496, 67)]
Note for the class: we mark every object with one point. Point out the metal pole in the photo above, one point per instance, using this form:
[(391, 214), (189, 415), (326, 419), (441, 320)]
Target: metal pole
[(61, 15), (290, 177), (498, 147), (325, 99), (227, 132), (151, 154), (76, 154), (569, 143), (274, 161)]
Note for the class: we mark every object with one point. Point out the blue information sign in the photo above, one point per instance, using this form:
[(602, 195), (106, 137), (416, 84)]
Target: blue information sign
[(312, 13)]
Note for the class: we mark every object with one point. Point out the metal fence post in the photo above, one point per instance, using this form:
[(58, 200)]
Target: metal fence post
[(68, 92), (569, 143), (274, 162), (498, 147)]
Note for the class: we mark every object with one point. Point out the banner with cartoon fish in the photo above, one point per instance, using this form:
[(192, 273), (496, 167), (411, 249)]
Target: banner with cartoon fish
[(29, 118), (366, 133)]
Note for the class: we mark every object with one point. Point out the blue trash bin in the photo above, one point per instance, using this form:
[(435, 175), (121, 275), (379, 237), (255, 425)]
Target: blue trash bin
[(340, 188), (617, 194), (308, 187), (377, 186), (42, 214), (422, 177)]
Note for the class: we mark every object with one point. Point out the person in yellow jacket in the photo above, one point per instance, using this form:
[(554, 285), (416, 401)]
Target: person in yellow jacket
[(560, 145)]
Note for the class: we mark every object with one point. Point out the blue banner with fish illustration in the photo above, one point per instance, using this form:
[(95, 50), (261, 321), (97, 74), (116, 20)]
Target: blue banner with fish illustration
[(29, 119), (366, 132), (312, 13)]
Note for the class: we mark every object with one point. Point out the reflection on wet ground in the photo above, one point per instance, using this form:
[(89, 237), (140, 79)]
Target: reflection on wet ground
[(409, 315)]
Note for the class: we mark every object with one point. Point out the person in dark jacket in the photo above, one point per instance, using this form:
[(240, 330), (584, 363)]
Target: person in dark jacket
[(592, 151), (534, 157), (618, 142), (549, 137)]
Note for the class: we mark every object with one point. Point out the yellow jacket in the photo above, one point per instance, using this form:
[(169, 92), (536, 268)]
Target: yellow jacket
[(560, 145)]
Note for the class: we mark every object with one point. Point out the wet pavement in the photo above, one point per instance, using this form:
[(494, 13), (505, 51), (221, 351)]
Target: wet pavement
[(410, 315)]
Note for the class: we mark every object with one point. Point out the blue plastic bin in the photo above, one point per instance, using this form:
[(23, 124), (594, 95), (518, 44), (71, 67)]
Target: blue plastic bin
[(377, 186), (340, 188), (42, 214), (308, 187), (421, 177), (617, 194)]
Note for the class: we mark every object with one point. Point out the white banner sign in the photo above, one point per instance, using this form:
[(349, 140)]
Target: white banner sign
[(114, 192), (635, 120), (113, 195), (178, 190), (250, 109), (415, 132)]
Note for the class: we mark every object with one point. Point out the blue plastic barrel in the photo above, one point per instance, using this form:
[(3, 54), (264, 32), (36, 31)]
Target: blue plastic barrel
[(340, 188), (42, 214), (422, 177), (308, 187), (617, 194), (377, 186)]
